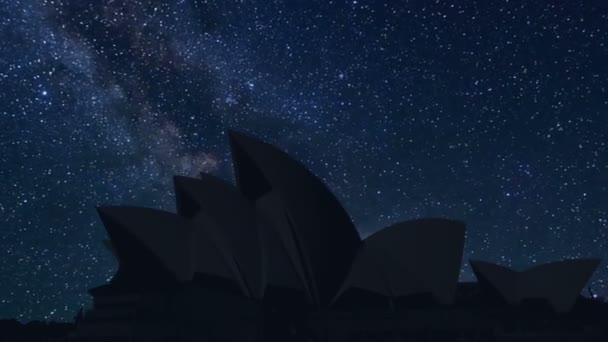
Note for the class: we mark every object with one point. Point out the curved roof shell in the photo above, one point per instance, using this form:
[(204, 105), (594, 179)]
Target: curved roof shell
[(219, 208), (149, 239), (286, 263), (560, 282), (411, 257), (317, 222), (155, 246), (498, 279), (213, 255)]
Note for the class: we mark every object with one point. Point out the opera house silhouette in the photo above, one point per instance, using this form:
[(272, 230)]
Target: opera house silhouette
[(277, 258)]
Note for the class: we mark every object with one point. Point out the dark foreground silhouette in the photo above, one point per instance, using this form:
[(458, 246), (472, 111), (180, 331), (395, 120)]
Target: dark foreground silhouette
[(13, 330), (471, 318)]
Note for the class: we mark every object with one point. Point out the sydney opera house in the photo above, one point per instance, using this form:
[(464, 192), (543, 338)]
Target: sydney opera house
[(277, 258)]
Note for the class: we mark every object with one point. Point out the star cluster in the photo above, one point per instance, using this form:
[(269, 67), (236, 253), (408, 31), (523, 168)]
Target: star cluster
[(493, 112)]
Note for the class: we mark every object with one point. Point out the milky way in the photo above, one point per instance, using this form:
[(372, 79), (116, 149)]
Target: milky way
[(492, 112)]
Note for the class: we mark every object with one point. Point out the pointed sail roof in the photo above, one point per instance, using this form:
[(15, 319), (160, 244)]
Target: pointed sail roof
[(154, 246), (497, 279), (214, 257), (560, 282), (368, 272), (318, 223), (285, 262), (281, 271), (285, 287), (411, 257), (233, 221), (150, 241)]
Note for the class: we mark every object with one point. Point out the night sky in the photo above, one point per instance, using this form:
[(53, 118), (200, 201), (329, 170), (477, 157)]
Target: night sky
[(492, 112)]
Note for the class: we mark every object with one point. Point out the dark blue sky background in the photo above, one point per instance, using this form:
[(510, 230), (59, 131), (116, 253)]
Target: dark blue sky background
[(493, 112)]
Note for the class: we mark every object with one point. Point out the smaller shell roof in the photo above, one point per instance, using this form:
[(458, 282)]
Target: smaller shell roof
[(559, 282), (155, 246), (369, 272), (411, 257), (166, 235), (499, 279)]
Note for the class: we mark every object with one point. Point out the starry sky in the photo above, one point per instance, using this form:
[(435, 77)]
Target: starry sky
[(492, 112)]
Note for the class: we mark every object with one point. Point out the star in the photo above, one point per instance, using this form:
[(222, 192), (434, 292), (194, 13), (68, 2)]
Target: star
[(471, 111)]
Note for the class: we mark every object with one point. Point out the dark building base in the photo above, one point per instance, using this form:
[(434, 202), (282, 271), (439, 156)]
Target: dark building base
[(194, 314)]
